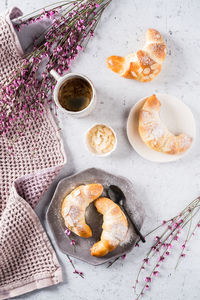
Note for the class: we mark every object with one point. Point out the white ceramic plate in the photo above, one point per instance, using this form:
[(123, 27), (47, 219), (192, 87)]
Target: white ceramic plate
[(176, 116)]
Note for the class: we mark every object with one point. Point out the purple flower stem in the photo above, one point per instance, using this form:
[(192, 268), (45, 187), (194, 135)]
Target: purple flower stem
[(187, 216), (112, 262), (73, 266), (188, 237)]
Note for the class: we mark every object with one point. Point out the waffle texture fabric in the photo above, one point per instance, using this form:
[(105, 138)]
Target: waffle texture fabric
[(27, 259)]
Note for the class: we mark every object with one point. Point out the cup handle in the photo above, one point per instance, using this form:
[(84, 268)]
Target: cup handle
[(55, 75)]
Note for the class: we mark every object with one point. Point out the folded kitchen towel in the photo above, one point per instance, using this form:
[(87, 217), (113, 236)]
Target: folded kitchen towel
[(27, 259)]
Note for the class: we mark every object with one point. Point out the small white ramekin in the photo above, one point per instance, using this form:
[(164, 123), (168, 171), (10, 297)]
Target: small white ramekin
[(91, 150)]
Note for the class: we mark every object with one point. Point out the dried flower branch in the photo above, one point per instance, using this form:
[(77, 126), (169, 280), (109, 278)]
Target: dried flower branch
[(73, 242), (75, 270), (68, 233), (163, 243), (73, 23)]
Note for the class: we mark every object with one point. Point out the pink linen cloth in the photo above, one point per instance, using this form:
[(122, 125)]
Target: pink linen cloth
[(27, 259)]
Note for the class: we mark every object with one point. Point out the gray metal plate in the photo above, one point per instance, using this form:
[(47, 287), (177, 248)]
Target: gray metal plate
[(133, 209)]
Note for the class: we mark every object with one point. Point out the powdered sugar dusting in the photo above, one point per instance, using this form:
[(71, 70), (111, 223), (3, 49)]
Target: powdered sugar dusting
[(185, 141), (118, 231), (74, 215), (155, 132)]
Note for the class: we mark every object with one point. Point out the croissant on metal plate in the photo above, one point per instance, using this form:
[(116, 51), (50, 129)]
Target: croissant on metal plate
[(155, 134), (115, 227), (145, 64), (74, 206)]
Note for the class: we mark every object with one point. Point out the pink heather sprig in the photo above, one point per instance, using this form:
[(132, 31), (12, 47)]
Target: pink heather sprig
[(163, 243), (75, 270), (68, 233), (24, 97), (72, 243)]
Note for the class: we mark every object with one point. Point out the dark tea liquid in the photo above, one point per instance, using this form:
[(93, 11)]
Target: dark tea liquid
[(75, 94)]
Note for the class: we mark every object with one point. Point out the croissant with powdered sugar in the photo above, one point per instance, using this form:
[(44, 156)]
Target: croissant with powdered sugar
[(115, 227), (155, 134), (74, 206)]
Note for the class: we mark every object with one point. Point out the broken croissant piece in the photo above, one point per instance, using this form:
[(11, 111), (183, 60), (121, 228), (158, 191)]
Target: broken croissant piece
[(155, 134), (115, 227), (145, 64), (74, 207)]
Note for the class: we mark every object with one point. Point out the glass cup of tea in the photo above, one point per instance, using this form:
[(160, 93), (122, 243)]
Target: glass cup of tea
[(74, 94)]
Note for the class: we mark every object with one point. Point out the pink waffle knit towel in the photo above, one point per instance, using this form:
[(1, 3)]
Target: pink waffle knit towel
[(27, 259)]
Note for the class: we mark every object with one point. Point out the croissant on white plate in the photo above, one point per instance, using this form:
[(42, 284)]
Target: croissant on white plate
[(115, 227), (74, 206), (155, 134), (145, 64)]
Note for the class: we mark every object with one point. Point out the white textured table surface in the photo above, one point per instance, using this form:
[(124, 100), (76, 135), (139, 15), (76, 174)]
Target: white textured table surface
[(164, 189)]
